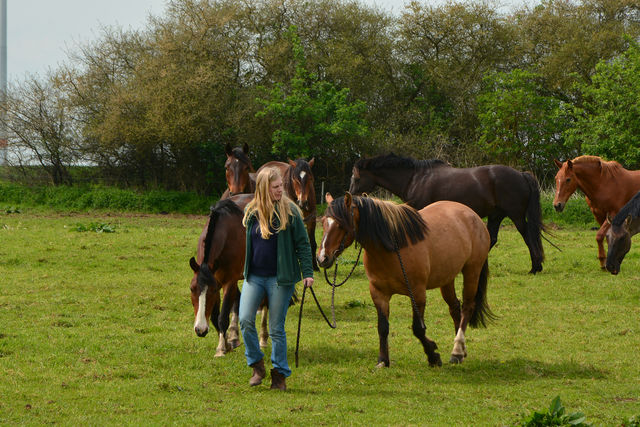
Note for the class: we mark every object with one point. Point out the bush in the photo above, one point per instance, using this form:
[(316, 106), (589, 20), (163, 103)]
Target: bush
[(86, 198)]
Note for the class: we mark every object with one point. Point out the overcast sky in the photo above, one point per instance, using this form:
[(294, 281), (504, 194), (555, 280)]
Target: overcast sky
[(40, 32)]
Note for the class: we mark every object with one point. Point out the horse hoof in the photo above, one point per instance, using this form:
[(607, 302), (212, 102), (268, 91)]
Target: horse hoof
[(456, 359), (235, 344), (219, 353), (263, 344), (435, 360), (382, 365)]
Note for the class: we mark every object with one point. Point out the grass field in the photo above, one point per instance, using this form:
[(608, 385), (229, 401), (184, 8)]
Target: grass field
[(96, 329)]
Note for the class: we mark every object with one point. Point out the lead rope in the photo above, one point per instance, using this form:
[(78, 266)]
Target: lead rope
[(333, 308), (406, 281)]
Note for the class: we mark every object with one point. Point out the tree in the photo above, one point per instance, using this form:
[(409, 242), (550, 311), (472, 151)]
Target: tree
[(608, 124), (520, 122), (311, 116), (38, 116)]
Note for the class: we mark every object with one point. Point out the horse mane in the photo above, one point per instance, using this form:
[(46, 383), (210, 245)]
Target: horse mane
[(381, 222), (393, 161), (222, 208), (610, 167), (302, 166), (631, 208)]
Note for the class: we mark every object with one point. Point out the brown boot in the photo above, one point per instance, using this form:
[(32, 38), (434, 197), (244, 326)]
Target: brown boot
[(277, 381), (258, 373)]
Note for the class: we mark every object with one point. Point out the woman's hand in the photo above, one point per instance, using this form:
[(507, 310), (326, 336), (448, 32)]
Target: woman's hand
[(308, 282)]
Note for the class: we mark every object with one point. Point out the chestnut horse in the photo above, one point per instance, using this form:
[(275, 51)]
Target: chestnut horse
[(239, 171), (621, 228), (219, 266), (300, 187), (607, 187), (493, 191), (431, 246)]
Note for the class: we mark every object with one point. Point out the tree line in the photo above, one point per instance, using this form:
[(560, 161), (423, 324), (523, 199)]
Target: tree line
[(466, 82)]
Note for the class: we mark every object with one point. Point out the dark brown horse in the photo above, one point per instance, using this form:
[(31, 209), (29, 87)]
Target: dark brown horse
[(607, 187), (621, 228), (434, 244), (219, 266), (239, 171), (300, 187), (493, 191)]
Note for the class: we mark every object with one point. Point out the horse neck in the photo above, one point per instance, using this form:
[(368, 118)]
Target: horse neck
[(395, 180), (595, 185)]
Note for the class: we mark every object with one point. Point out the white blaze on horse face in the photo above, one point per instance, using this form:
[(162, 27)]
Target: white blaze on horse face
[(201, 323), (323, 255), (302, 175)]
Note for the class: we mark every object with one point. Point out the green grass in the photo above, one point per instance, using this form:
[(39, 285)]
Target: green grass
[(96, 328)]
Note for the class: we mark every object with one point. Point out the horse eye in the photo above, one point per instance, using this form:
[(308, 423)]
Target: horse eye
[(568, 179)]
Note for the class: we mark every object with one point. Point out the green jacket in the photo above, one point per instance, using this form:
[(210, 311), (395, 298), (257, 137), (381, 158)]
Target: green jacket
[(294, 251)]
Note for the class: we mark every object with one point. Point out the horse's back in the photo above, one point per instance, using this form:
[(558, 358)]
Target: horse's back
[(482, 188), (457, 238)]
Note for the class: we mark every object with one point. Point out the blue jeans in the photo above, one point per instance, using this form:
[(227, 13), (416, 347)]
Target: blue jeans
[(254, 289)]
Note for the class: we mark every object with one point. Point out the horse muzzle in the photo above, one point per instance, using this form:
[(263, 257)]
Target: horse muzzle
[(324, 261), (201, 332), (613, 268), (559, 207)]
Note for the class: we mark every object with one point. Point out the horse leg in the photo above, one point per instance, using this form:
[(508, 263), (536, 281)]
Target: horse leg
[(264, 327), (229, 299), (536, 260), (602, 255), (419, 330), (470, 287), (493, 226), (233, 333), (381, 302), (449, 295)]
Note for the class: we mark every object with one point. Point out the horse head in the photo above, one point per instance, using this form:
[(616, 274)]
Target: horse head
[(238, 169), (566, 184), (619, 240), (203, 289), (338, 229), (303, 184), (362, 181)]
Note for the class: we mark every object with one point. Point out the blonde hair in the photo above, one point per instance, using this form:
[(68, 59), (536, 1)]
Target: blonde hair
[(268, 210)]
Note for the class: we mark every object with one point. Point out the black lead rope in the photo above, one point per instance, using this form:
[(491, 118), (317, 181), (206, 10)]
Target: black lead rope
[(406, 281), (333, 285)]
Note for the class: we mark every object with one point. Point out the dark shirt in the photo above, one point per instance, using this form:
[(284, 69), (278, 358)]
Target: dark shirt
[(264, 252)]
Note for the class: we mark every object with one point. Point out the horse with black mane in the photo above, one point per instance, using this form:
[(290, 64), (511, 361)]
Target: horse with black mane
[(492, 191), (238, 171), (407, 252), (219, 266), (621, 228)]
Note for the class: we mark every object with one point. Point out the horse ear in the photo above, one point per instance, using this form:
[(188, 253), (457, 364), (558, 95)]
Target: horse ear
[(291, 162), (627, 222), (245, 148), (569, 164), (347, 200), (558, 163), (228, 150), (608, 219), (194, 265), (313, 159), (328, 198)]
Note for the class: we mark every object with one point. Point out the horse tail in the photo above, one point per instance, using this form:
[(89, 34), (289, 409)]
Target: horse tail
[(535, 227), (482, 313)]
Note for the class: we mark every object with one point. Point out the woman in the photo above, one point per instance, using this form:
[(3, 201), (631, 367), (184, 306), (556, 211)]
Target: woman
[(278, 254)]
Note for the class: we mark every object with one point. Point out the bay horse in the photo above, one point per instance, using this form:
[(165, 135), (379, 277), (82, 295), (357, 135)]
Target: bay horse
[(607, 187), (434, 245), (239, 171), (300, 187), (492, 191), (622, 227), (219, 266)]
